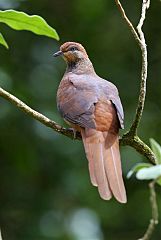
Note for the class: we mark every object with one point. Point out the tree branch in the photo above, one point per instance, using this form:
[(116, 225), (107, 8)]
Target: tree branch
[(130, 25), (154, 207), (140, 39), (142, 95), (131, 137), (139, 146), (36, 115)]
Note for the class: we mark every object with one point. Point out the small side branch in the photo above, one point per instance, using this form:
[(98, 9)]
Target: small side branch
[(142, 95), (140, 39), (154, 207), (139, 146), (130, 25)]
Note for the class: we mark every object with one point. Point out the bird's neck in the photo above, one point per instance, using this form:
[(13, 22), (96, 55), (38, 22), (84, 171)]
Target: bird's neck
[(80, 67)]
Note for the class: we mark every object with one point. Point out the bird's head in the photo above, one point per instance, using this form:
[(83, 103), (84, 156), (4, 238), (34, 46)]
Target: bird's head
[(72, 52)]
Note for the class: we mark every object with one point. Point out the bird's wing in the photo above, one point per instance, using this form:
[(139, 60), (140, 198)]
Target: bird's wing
[(112, 94), (78, 103), (120, 113), (81, 94)]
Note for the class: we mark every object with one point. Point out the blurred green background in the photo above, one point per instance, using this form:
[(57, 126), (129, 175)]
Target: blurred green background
[(45, 192)]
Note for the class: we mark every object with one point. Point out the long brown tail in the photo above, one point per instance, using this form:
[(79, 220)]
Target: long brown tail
[(104, 163)]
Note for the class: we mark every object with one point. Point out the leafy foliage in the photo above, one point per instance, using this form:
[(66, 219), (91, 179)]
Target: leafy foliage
[(146, 171), (149, 173), (137, 167), (22, 21)]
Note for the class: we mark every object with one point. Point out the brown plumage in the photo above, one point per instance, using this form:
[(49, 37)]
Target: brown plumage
[(92, 106)]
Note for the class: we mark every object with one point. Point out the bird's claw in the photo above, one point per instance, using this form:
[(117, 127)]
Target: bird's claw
[(74, 132)]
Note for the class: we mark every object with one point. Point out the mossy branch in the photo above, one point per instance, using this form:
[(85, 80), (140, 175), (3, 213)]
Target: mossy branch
[(34, 114), (139, 146)]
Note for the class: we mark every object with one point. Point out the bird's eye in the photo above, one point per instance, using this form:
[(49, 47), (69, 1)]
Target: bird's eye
[(73, 49)]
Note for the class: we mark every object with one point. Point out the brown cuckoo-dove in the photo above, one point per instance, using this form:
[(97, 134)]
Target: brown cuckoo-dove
[(92, 106)]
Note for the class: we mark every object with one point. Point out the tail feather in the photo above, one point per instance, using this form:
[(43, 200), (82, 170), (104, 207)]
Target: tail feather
[(113, 170), (102, 181), (94, 152), (104, 163), (89, 154)]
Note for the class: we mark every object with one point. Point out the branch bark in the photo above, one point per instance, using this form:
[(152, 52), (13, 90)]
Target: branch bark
[(36, 115), (143, 47), (140, 39), (131, 138), (139, 146)]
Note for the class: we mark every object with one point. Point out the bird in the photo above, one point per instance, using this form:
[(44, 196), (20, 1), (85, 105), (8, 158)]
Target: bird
[(91, 105)]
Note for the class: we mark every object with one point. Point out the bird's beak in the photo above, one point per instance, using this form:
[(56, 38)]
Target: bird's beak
[(59, 53)]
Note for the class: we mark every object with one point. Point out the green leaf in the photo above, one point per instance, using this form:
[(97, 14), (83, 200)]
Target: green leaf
[(3, 41), (137, 167), (22, 21), (149, 173), (156, 149)]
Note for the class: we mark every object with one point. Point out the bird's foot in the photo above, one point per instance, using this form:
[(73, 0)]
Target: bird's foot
[(74, 132)]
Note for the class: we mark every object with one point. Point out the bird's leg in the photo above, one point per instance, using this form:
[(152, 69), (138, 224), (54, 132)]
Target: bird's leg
[(74, 132)]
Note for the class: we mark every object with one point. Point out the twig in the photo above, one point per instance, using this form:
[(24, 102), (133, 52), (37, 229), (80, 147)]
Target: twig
[(130, 25), (36, 115), (139, 146), (154, 207), (131, 138), (142, 95), (140, 39)]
